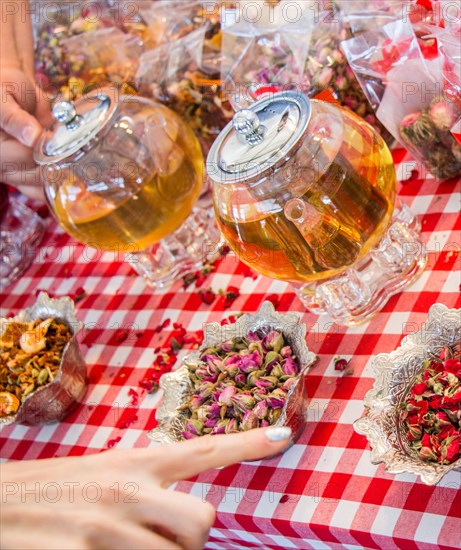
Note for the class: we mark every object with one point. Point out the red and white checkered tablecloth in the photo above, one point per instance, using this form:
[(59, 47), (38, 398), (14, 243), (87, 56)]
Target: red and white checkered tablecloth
[(323, 492)]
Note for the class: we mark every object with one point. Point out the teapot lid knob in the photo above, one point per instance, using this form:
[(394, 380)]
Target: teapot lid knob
[(64, 111), (248, 125)]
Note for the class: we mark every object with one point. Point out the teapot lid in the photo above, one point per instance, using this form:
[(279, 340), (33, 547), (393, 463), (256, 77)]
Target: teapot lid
[(76, 125), (259, 138)]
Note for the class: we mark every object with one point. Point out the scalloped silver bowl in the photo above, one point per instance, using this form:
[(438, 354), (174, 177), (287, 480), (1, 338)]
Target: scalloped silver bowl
[(53, 401), (395, 374), (177, 386)]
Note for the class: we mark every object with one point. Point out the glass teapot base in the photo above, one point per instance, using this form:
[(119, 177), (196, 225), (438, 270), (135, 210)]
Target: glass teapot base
[(358, 294), (182, 252)]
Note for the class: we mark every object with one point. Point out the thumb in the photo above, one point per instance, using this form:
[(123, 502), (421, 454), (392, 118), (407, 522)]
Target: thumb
[(18, 123)]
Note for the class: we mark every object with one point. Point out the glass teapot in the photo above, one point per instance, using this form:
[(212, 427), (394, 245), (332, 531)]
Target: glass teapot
[(122, 173), (305, 191)]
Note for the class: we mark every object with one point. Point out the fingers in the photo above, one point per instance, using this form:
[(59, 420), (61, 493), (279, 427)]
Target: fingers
[(123, 535), (187, 459), (18, 123), (184, 517)]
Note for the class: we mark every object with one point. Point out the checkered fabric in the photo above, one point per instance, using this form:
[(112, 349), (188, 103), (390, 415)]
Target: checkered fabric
[(323, 492)]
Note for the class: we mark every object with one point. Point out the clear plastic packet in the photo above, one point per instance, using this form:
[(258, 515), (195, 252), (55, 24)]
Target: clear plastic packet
[(263, 51), (288, 51), (54, 22), (175, 75), (361, 15), (406, 90), (107, 57), (169, 20)]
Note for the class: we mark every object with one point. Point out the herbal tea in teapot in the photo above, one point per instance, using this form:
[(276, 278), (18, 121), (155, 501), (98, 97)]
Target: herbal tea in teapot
[(136, 185), (304, 191)]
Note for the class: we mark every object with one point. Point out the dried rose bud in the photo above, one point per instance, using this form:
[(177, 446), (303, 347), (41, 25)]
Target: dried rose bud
[(243, 402), (274, 415), (225, 397), (442, 115), (256, 346), (253, 337), (290, 367), (227, 346), (214, 363), (273, 341), (214, 411), (275, 402), (450, 451), (249, 421), (272, 358), (240, 379), (253, 377), (201, 372), (266, 382), (202, 413), (232, 360), (250, 362), (288, 383), (232, 426), (261, 409), (286, 351), (206, 389), (211, 422), (277, 371), (264, 423), (232, 371), (194, 427), (414, 432), (218, 430), (196, 401)]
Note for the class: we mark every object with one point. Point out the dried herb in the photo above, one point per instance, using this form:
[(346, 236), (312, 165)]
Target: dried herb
[(432, 411), (428, 132), (30, 357)]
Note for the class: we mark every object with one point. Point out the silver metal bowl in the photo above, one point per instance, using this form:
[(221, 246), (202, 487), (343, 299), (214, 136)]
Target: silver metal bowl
[(177, 386), (54, 400), (395, 374)]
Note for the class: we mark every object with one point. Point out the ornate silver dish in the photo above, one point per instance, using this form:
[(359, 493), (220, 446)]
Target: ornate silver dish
[(177, 386), (54, 400), (395, 375)]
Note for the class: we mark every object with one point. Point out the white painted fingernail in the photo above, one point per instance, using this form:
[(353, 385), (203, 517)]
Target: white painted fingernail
[(29, 135), (278, 434)]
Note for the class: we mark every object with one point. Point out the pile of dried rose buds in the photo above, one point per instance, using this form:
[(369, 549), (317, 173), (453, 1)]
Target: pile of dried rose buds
[(240, 384), (432, 412)]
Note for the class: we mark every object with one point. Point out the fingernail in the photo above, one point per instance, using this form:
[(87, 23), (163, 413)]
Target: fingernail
[(278, 434), (29, 135)]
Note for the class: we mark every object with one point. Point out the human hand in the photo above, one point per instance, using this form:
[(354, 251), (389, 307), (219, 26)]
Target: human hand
[(24, 111), (119, 499)]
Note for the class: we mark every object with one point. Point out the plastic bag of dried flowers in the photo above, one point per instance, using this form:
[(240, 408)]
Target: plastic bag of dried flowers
[(406, 89), (289, 45), (182, 75), (108, 57), (52, 24)]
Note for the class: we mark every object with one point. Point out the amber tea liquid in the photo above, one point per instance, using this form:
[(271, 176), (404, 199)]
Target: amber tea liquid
[(135, 221)]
